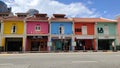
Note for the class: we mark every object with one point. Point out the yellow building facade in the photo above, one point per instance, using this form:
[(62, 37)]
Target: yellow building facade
[(13, 38), (19, 25)]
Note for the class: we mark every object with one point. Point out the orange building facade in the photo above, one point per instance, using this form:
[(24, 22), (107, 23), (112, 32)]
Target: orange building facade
[(84, 34)]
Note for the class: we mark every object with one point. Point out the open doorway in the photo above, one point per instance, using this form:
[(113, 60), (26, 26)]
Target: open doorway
[(86, 44), (61, 45), (13, 44), (39, 45), (105, 44)]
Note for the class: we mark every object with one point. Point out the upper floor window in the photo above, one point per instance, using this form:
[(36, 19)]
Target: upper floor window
[(13, 30), (106, 29), (77, 29), (84, 30), (100, 30), (61, 30), (37, 27)]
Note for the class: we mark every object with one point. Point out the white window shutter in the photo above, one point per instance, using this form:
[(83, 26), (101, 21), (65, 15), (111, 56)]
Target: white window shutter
[(84, 30), (106, 30)]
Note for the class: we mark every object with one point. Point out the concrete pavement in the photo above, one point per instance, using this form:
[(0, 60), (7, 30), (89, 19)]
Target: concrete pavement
[(61, 60)]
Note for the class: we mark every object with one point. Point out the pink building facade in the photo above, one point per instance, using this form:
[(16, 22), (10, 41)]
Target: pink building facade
[(37, 33), (32, 25), (118, 28)]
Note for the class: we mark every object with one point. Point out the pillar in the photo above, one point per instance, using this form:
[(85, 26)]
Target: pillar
[(24, 36), (24, 44), (95, 44), (49, 44), (73, 44)]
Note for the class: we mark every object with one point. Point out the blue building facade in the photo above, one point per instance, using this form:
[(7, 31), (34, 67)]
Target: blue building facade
[(61, 34), (55, 28)]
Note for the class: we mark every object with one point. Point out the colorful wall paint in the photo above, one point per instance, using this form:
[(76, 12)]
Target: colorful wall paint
[(67, 27), (106, 28), (32, 25), (9, 24), (78, 28)]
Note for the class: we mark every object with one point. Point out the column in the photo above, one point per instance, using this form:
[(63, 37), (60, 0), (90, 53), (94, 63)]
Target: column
[(49, 45), (95, 37), (24, 44), (95, 44), (2, 36), (73, 43), (73, 38), (24, 37)]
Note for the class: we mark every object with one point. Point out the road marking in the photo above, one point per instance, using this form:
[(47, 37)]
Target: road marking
[(84, 61), (6, 64), (10, 65)]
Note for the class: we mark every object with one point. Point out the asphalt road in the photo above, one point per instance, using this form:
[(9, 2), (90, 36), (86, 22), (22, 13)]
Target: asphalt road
[(61, 60)]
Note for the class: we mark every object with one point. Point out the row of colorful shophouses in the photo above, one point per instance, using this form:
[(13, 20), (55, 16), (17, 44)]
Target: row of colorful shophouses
[(57, 33)]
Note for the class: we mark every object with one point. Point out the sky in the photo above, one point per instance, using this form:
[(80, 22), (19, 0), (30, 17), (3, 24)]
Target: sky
[(72, 8)]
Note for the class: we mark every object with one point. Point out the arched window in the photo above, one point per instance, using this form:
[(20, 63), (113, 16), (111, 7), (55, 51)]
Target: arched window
[(13, 30), (61, 30)]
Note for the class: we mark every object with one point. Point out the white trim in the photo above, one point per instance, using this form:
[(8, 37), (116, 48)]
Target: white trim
[(61, 35), (37, 28), (0, 40), (84, 30), (106, 37), (62, 29), (2, 27), (13, 36), (12, 29), (106, 29), (85, 37), (37, 35)]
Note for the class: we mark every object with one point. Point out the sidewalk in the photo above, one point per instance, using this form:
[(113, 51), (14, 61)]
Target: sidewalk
[(88, 51)]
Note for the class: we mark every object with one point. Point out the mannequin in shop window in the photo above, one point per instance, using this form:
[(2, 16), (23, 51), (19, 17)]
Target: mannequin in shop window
[(113, 46), (80, 46)]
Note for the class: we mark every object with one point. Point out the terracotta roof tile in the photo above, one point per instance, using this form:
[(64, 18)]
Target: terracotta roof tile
[(61, 19), (13, 18), (59, 15), (93, 20), (4, 12), (37, 18), (41, 15), (22, 13)]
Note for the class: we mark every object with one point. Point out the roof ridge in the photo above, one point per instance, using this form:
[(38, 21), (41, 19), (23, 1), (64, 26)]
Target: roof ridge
[(107, 19)]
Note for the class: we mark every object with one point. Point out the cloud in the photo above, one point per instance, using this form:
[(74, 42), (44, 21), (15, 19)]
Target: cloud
[(104, 12), (89, 2), (53, 6)]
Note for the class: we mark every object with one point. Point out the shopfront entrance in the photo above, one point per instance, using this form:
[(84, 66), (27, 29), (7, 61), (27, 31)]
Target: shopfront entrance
[(37, 44), (105, 44), (86, 44), (61, 45), (13, 44)]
